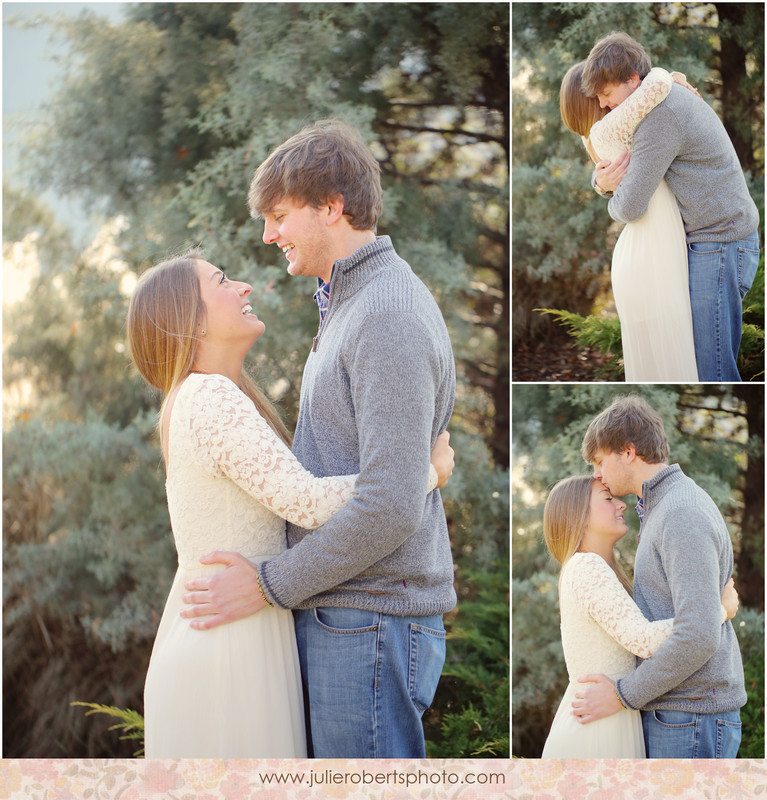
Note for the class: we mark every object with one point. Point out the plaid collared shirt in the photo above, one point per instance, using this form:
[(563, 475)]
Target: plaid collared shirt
[(639, 508), (322, 297)]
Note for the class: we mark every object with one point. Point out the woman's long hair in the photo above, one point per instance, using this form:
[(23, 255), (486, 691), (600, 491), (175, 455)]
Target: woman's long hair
[(578, 112), (565, 519), (164, 314)]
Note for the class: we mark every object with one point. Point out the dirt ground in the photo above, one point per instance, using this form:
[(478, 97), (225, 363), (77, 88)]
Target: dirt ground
[(555, 359)]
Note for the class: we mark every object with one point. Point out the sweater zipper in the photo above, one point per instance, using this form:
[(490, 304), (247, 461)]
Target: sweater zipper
[(316, 339)]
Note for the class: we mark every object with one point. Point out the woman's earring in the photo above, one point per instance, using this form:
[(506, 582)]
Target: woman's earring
[(203, 332)]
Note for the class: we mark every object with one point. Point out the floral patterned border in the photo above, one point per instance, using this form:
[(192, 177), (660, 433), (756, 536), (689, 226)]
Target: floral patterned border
[(201, 779)]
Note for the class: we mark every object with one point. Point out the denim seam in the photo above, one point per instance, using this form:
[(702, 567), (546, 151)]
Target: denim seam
[(412, 666), (376, 693), (718, 324)]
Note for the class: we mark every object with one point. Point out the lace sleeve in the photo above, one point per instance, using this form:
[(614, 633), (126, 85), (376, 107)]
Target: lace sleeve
[(232, 438), (600, 594), (615, 131)]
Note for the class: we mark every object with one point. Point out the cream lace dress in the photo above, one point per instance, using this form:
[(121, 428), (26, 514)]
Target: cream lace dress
[(602, 631), (233, 691), (649, 267)]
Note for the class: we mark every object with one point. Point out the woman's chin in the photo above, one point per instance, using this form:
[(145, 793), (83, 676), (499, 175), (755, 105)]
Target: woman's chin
[(258, 331)]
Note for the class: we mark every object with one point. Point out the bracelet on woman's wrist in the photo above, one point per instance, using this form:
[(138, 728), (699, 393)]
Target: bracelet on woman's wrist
[(261, 589)]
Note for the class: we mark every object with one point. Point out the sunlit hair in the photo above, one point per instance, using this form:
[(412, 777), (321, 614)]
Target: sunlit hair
[(566, 520), (322, 162), (629, 420), (578, 112), (164, 316), (614, 59)]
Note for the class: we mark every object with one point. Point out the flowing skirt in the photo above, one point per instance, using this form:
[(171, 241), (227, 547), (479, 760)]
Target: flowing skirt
[(652, 294), (229, 692), (616, 736)]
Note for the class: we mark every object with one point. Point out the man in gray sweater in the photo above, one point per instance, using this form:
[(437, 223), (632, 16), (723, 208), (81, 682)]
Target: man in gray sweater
[(369, 587), (690, 691), (683, 141)]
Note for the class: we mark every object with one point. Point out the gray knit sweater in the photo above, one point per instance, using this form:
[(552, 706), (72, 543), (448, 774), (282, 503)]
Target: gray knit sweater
[(378, 387), (683, 560), (683, 140)]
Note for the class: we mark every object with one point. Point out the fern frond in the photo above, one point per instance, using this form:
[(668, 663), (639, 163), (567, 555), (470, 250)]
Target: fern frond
[(599, 333), (132, 723)]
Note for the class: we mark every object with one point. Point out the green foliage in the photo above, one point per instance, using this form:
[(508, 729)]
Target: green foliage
[(88, 561), (751, 355), (131, 722), (749, 626), (472, 704), (601, 333)]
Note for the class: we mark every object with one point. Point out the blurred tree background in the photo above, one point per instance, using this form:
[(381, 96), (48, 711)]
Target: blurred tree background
[(563, 236), (716, 434), (158, 123)]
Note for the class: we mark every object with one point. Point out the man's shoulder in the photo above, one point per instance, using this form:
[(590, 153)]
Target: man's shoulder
[(688, 505), (397, 289), (683, 110)]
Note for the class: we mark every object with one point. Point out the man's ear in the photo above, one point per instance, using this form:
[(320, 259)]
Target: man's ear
[(631, 453), (335, 209), (635, 80)]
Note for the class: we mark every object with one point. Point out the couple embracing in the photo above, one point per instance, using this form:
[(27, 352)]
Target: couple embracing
[(689, 250), (348, 601), (688, 683)]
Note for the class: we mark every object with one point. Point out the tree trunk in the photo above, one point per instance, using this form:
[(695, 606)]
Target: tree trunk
[(735, 113), (749, 567)]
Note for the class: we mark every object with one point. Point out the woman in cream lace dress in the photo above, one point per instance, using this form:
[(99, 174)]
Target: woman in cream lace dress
[(233, 691), (602, 629), (649, 266)]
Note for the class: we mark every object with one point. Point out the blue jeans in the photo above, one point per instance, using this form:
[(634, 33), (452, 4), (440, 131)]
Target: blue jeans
[(685, 734), (720, 274), (368, 678)]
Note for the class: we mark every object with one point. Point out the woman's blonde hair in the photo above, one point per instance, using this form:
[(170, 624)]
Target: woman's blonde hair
[(578, 112), (566, 518), (165, 312)]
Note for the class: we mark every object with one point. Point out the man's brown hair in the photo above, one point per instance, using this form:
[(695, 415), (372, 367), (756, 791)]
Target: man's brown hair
[(322, 162), (614, 59), (629, 420)]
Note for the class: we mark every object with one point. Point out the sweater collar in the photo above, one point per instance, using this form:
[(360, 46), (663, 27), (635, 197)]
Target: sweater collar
[(349, 274), (654, 489)]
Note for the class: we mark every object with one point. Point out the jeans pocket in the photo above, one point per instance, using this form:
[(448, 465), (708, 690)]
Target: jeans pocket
[(748, 262), (705, 248), (427, 657), (346, 621), (728, 736), (675, 719)]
